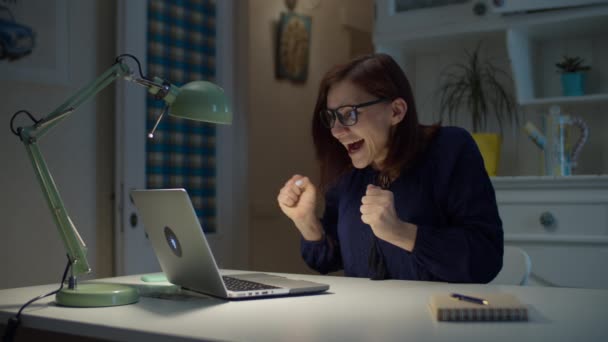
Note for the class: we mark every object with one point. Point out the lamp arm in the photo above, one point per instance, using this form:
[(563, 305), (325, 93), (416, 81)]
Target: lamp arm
[(73, 243), (75, 246), (90, 90)]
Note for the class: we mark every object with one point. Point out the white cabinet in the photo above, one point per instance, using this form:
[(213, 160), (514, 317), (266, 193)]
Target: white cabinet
[(395, 22), (535, 41), (562, 222), (515, 6)]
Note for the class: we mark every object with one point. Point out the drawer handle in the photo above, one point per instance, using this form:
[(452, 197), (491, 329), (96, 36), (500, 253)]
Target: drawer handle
[(547, 220), (480, 9)]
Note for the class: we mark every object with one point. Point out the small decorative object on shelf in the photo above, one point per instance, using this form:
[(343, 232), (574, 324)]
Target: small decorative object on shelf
[(573, 75), (560, 152)]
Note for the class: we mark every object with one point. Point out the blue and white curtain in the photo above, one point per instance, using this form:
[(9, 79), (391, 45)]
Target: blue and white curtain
[(181, 48)]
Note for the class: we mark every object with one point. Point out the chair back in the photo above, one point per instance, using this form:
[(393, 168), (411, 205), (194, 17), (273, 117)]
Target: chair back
[(516, 267)]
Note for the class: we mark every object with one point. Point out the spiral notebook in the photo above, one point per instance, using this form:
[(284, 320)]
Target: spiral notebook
[(487, 307)]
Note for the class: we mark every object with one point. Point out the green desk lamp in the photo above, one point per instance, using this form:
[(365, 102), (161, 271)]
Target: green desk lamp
[(199, 100)]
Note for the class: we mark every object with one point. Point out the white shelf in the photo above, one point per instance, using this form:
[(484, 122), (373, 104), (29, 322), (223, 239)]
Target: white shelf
[(565, 100), (440, 23), (535, 42), (452, 22), (535, 46), (563, 23), (558, 239), (551, 182)]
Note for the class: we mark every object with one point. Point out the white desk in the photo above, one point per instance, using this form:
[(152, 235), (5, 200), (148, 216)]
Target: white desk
[(353, 310)]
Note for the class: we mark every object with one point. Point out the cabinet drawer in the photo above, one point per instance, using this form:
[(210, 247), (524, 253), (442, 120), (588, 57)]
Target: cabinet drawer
[(573, 250), (555, 219)]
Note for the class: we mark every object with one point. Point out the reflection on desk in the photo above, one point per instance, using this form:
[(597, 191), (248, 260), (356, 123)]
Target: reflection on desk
[(354, 309)]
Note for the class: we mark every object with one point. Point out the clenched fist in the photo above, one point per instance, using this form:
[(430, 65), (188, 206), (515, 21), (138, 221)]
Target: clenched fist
[(298, 199), (378, 210)]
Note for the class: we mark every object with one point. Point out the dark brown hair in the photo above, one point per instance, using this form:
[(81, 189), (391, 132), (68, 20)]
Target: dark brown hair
[(379, 75)]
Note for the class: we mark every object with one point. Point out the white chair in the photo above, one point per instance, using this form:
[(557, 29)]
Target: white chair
[(516, 267)]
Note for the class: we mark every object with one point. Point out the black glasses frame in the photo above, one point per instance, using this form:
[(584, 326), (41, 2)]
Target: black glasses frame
[(350, 118)]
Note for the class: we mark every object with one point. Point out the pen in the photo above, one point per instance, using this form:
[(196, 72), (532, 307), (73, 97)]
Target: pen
[(475, 300)]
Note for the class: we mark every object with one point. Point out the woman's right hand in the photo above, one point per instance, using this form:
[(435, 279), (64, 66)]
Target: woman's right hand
[(298, 199)]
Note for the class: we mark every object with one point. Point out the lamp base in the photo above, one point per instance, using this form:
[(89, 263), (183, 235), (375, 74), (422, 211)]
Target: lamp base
[(97, 294)]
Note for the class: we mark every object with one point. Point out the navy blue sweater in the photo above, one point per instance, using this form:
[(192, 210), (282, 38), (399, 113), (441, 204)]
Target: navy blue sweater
[(447, 194)]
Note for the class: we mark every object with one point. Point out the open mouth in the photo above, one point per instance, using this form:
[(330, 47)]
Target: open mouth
[(354, 147)]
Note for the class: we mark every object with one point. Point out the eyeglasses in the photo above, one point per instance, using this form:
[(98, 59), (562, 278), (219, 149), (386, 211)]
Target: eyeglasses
[(347, 115)]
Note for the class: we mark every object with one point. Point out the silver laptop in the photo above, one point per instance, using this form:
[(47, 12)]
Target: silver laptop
[(184, 255)]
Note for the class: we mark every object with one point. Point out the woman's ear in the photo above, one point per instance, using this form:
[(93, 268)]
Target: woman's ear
[(399, 107)]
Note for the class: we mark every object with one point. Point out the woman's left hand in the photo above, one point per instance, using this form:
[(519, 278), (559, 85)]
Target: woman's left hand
[(378, 210)]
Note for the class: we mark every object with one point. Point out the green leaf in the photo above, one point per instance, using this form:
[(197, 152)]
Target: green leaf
[(474, 87)]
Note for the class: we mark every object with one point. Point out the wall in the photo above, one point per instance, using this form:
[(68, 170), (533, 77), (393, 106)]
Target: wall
[(105, 50), (78, 153), (279, 116)]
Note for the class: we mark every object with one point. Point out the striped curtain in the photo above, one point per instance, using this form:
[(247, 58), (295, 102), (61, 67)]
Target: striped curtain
[(181, 48)]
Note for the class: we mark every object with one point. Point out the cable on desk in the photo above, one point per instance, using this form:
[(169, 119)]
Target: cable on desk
[(14, 322)]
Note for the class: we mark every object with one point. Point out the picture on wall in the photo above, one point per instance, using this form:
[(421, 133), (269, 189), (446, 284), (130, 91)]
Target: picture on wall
[(17, 39), (34, 40), (293, 47)]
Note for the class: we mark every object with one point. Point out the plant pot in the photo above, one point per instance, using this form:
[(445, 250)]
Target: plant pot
[(489, 146), (573, 84)]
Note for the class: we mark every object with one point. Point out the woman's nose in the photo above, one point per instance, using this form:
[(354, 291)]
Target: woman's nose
[(338, 129)]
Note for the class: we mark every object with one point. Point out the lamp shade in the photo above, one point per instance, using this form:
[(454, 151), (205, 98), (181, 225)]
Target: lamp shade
[(201, 101)]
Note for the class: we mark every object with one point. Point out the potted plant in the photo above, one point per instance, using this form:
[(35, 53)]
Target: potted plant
[(475, 88), (572, 75)]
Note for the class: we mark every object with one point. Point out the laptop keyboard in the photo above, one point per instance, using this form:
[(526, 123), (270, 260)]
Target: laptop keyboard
[(234, 284)]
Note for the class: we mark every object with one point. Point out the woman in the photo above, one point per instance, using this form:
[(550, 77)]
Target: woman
[(402, 200)]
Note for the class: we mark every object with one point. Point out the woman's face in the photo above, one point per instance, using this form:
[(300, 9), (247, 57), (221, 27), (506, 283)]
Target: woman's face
[(366, 142)]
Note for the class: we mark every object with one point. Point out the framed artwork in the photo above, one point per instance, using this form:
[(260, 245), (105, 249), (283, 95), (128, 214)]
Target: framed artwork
[(34, 40), (293, 47)]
